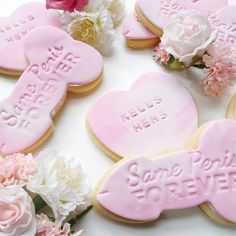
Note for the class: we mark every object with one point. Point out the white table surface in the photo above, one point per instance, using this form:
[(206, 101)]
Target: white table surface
[(70, 136)]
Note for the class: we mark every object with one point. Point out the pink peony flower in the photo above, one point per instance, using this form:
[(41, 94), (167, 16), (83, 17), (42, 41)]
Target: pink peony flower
[(17, 169), (161, 55), (17, 213), (188, 34), (45, 227), (220, 62), (67, 5)]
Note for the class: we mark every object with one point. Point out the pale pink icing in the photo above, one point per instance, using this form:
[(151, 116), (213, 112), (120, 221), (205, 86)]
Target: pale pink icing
[(14, 29), (155, 114), (133, 29), (56, 62), (223, 21), (223, 24), (141, 188)]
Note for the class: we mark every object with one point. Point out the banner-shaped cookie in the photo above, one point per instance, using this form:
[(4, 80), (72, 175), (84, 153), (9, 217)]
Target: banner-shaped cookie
[(139, 189), (156, 113), (57, 64), (15, 28)]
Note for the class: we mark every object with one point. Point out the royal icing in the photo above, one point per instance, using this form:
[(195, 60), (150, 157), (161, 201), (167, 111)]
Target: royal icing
[(142, 188), (57, 64), (133, 29), (221, 16), (15, 28), (155, 114)]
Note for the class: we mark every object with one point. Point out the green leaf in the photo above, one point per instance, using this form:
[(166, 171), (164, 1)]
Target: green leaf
[(79, 216), (199, 66), (195, 59), (39, 203), (175, 64)]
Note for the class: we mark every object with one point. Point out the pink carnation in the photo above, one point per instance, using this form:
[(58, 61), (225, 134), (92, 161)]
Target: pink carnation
[(214, 86), (67, 5), (17, 169), (45, 227), (161, 55), (220, 61)]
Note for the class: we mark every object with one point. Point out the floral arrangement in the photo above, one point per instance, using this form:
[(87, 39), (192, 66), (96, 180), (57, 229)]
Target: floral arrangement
[(90, 21), (187, 41), (29, 186)]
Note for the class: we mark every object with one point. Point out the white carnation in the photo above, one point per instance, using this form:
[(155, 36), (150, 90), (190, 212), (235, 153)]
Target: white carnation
[(95, 29), (59, 182), (115, 8)]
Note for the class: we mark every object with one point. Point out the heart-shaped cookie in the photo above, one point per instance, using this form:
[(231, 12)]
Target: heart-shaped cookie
[(156, 14), (157, 113), (15, 28), (57, 64), (136, 35)]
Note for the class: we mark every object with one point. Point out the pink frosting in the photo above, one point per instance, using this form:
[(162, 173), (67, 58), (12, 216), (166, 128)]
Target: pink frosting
[(56, 62), (155, 114), (141, 188), (159, 12), (14, 29), (223, 22), (133, 29)]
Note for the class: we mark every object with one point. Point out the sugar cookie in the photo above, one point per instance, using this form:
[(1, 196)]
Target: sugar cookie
[(223, 23), (57, 64), (205, 175), (231, 110), (13, 31), (156, 14), (136, 35), (156, 113)]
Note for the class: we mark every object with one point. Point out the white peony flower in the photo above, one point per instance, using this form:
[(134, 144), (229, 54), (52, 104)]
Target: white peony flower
[(188, 34), (59, 182), (95, 29), (115, 8)]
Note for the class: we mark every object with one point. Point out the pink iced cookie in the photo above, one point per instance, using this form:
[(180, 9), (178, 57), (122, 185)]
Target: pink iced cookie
[(136, 35), (13, 31), (156, 113), (57, 64), (156, 14), (142, 188), (223, 23)]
